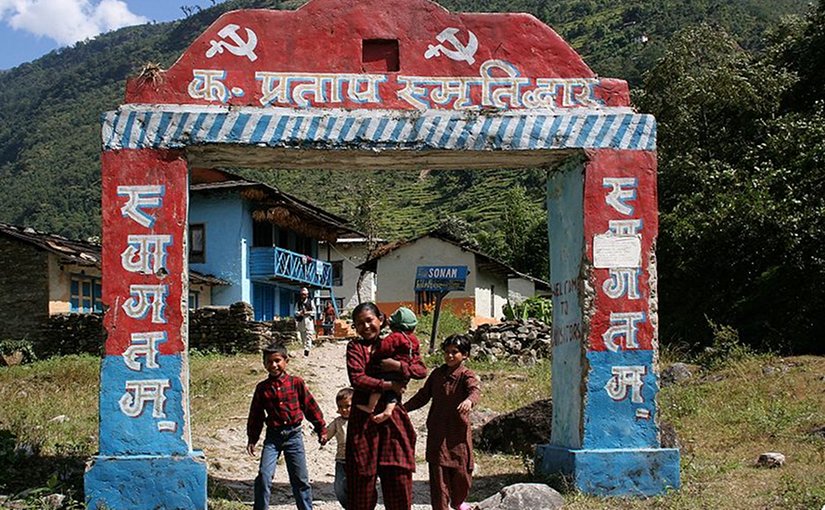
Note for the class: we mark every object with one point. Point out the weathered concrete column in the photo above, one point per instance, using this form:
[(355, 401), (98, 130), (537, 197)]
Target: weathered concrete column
[(602, 212), (146, 459)]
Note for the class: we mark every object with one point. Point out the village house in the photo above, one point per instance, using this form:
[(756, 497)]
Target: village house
[(263, 242), (490, 283), (345, 255), (45, 275)]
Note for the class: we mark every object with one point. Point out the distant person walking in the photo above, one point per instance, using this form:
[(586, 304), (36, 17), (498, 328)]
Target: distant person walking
[(386, 449), (329, 318), (305, 319)]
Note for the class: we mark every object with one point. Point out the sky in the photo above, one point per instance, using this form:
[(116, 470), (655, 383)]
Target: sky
[(32, 28)]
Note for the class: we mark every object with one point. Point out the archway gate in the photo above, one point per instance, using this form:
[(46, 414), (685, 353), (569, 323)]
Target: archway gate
[(383, 84)]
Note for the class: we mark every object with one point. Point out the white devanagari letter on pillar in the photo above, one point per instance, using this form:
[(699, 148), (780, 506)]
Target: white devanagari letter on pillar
[(145, 254), (139, 198), (622, 189), (624, 281), (144, 298), (140, 393), (625, 228), (627, 379), (623, 325), (144, 345)]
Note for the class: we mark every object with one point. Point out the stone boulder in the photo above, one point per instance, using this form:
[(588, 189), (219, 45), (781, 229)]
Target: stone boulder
[(517, 431), (676, 373), (771, 460), (523, 496)]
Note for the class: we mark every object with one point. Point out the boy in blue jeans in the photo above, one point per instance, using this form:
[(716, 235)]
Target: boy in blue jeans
[(281, 401)]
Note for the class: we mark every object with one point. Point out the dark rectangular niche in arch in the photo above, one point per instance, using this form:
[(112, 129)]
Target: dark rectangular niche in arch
[(380, 55)]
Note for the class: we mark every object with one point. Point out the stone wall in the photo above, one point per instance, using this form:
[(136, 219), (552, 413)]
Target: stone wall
[(227, 330), (519, 341), (71, 333), (24, 290), (232, 330)]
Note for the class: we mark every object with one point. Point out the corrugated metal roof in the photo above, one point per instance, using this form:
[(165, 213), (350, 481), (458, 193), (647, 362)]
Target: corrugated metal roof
[(309, 212), (494, 265), (83, 253)]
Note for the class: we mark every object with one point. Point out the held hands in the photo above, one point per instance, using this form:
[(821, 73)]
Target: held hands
[(390, 365), (322, 438), (398, 387), (250, 449), (465, 406)]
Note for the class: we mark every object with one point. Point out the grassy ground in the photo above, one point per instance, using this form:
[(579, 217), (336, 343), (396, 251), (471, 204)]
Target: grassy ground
[(724, 419)]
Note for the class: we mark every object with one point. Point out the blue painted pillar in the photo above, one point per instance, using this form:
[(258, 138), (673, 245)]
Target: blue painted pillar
[(603, 222), (146, 461)]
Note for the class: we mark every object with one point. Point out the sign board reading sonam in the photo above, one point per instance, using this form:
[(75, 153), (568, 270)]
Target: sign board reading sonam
[(440, 278)]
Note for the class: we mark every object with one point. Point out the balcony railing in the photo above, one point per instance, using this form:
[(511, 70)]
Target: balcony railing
[(283, 264)]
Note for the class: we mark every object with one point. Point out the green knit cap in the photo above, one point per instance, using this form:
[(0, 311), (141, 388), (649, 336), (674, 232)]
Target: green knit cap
[(403, 319)]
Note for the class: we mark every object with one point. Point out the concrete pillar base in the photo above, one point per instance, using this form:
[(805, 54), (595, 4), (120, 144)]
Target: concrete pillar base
[(613, 472), (146, 482)]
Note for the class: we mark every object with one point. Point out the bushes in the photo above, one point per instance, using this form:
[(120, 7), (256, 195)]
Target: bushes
[(726, 347), (449, 323), (15, 352), (536, 307)]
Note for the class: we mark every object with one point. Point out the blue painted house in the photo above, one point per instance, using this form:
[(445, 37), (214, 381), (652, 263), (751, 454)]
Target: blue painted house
[(264, 242)]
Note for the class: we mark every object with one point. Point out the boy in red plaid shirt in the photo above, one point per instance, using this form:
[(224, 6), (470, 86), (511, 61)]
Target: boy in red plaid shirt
[(281, 401)]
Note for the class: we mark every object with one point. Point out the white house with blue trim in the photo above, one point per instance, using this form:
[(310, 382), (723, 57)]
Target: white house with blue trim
[(46, 274), (262, 241)]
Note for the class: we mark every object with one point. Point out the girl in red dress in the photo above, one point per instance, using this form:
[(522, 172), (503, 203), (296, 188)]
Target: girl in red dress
[(386, 449)]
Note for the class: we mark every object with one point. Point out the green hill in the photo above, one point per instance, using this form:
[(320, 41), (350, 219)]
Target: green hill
[(49, 108)]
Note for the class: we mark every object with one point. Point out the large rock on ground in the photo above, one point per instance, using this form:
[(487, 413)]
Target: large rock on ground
[(676, 373), (523, 496), (518, 431)]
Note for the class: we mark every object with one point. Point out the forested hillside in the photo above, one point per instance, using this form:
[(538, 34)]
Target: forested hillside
[(49, 130), (736, 87)]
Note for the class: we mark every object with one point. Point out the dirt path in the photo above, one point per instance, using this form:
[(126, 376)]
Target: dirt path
[(233, 471)]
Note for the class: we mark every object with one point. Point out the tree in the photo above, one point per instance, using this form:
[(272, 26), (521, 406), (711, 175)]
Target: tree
[(366, 215), (519, 237), (740, 194)]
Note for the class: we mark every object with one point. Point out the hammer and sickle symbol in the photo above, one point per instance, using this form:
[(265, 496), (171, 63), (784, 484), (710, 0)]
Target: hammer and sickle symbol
[(241, 48), (459, 52)]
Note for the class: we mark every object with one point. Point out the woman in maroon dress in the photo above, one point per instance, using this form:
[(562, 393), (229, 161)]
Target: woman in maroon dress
[(386, 449)]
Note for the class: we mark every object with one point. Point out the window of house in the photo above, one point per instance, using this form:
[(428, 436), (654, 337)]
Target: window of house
[(304, 245), (263, 234), (283, 238), (194, 300), (197, 243), (85, 294), (337, 273)]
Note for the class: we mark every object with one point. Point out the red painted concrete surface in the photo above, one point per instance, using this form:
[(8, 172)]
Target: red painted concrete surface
[(143, 167), (328, 36), (640, 165)]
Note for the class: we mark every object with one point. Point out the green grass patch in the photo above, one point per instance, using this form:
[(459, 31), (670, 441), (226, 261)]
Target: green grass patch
[(724, 418)]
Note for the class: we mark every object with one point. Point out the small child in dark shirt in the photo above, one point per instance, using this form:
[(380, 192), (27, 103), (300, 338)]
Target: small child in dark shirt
[(400, 345), (338, 430), (454, 390), (281, 401)]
